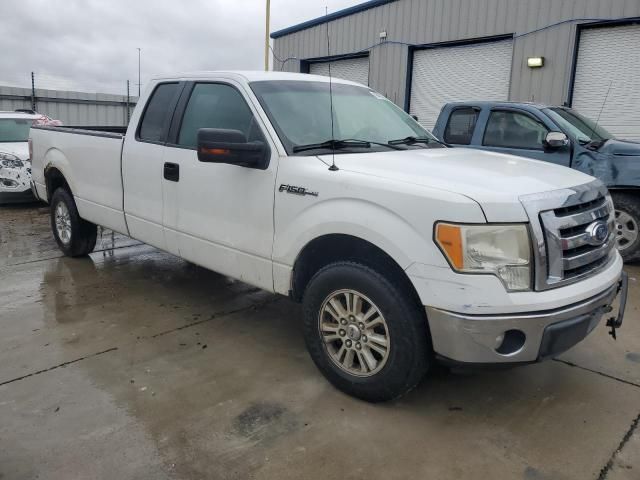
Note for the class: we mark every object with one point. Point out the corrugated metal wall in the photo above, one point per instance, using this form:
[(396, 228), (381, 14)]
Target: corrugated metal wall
[(418, 22), (73, 108)]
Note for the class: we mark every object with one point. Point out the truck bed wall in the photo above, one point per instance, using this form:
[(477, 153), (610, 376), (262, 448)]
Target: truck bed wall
[(91, 164)]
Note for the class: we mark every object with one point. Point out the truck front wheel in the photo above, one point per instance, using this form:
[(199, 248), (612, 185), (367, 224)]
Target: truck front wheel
[(365, 334), (627, 225), (75, 237)]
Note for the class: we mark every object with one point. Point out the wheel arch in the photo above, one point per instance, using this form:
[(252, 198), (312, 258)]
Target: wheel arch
[(334, 247)]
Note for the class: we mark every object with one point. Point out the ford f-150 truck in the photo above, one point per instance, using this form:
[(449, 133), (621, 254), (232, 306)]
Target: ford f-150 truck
[(403, 251), (559, 135)]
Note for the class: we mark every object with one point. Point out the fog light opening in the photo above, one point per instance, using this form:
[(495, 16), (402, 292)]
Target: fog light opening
[(512, 341)]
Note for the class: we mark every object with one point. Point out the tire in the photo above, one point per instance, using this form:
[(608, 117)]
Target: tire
[(627, 208), (75, 237), (400, 366)]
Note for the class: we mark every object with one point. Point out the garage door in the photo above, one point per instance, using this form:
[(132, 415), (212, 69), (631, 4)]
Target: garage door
[(354, 69), (609, 60), (481, 71)]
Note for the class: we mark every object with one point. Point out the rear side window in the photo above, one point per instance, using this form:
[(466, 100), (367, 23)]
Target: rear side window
[(215, 105), (156, 115), (461, 125)]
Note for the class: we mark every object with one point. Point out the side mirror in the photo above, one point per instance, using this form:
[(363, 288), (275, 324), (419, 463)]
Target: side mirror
[(555, 140), (218, 145), (415, 117)]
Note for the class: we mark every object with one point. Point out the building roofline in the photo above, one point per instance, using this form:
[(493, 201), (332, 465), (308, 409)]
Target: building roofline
[(332, 16)]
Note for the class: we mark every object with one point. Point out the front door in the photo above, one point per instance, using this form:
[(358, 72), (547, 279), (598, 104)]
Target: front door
[(518, 133), (218, 215)]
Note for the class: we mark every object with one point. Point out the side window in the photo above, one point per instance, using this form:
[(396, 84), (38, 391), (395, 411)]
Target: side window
[(215, 105), (461, 124), (152, 126), (514, 130)]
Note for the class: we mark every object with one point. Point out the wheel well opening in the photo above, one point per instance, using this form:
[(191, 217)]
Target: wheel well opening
[(333, 248), (54, 180)]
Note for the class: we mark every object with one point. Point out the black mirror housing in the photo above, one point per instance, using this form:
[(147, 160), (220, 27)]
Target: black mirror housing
[(218, 145)]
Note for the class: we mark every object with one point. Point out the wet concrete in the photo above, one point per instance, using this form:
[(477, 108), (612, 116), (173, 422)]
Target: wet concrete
[(135, 364)]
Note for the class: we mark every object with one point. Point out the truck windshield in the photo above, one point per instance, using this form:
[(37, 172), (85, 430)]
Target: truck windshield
[(583, 129), (14, 129), (300, 114)]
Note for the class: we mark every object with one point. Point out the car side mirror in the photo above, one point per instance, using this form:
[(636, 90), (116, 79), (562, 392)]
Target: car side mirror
[(218, 145), (555, 140)]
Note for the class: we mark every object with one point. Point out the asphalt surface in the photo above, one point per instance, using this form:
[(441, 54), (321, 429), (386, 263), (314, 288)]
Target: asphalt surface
[(133, 364)]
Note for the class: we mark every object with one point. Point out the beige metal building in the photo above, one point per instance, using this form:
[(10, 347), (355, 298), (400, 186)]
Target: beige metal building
[(424, 53)]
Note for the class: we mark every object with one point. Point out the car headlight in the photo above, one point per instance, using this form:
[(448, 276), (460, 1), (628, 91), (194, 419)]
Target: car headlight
[(8, 160), (500, 250)]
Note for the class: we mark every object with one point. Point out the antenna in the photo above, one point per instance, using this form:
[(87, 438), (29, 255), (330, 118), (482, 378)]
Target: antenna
[(595, 125), (333, 166)]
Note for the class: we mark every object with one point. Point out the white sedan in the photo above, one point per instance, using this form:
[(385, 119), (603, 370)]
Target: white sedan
[(15, 164)]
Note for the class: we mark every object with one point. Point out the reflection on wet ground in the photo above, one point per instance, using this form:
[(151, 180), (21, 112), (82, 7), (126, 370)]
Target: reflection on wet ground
[(132, 363)]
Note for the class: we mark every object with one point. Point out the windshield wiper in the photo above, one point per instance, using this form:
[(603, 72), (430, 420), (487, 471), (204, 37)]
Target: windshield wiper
[(596, 144), (332, 145), (413, 140)]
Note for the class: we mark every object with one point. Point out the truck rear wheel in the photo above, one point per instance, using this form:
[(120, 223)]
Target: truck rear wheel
[(627, 225), (365, 334), (75, 237)]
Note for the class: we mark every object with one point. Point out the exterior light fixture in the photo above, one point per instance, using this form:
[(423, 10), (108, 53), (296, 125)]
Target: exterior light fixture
[(383, 35), (535, 62)]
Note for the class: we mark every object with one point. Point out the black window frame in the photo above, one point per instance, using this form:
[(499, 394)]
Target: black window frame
[(168, 120), (181, 108), (512, 110), (476, 110)]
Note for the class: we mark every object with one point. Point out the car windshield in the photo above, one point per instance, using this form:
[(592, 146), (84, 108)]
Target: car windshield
[(14, 129), (583, 129), (300, 113)]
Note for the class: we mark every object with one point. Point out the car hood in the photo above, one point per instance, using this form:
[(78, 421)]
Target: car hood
[(621, 147), (19, 149), (494, 180)]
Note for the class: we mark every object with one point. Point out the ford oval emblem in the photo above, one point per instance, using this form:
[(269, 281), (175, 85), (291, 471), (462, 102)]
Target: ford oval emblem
[(597, 232)]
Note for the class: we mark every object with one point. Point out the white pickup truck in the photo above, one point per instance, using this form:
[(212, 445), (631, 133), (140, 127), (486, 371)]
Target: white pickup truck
[(402, 251)]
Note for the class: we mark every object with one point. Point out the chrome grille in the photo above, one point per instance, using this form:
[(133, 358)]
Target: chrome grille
[(562, 224)]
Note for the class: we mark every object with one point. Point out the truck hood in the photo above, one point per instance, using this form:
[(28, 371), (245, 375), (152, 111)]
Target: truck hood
[(494, 180), (621, 147), (19, 149)]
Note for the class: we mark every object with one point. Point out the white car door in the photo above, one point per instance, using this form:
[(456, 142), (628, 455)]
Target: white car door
[(219, 215), (143, 166)]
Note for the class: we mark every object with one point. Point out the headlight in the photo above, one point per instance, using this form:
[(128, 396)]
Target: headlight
[(501, 250), (8, 160)]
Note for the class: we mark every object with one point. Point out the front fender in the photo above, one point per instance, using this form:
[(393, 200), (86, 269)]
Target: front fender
[(613, 170)]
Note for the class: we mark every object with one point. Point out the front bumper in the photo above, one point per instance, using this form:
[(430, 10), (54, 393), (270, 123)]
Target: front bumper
[(483, 339)]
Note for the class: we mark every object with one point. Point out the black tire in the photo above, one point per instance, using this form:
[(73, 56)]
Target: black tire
[(409, 354), (83, 234), (630, 205)]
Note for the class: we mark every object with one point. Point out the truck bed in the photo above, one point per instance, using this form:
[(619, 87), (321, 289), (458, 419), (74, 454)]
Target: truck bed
[(90, 160)]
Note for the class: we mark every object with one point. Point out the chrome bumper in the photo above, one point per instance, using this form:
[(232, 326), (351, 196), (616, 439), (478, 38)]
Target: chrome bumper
[(481, 339)]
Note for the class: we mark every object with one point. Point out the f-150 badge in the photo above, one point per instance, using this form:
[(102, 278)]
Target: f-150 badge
[(296, 190)]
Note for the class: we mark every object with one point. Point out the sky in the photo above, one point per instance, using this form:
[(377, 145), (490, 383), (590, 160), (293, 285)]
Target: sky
[(91, 45)]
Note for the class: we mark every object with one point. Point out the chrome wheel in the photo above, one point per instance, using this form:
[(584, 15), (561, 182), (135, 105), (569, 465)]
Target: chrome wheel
[(354, 332), (626, 229), (63, 223)]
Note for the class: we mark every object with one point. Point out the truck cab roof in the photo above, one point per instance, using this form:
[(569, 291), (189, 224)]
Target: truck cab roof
[(252, 76), (491, 104)]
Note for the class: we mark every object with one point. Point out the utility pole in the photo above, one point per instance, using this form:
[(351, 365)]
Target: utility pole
[(266, 38), (33, 92), (139, 72), (128, 108)]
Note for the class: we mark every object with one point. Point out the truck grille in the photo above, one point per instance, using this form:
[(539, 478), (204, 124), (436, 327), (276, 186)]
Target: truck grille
[(573, 231)]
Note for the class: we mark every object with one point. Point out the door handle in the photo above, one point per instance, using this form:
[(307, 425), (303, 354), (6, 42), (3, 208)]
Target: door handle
[(172, 172)]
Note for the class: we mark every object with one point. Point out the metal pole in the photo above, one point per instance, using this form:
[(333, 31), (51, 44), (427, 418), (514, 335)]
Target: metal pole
[(266, 38), (128, 109), (138, 72), (33, 92)]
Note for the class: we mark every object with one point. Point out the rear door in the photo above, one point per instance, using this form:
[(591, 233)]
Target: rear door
[(518, 132), (142, 165), (218, 215)]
